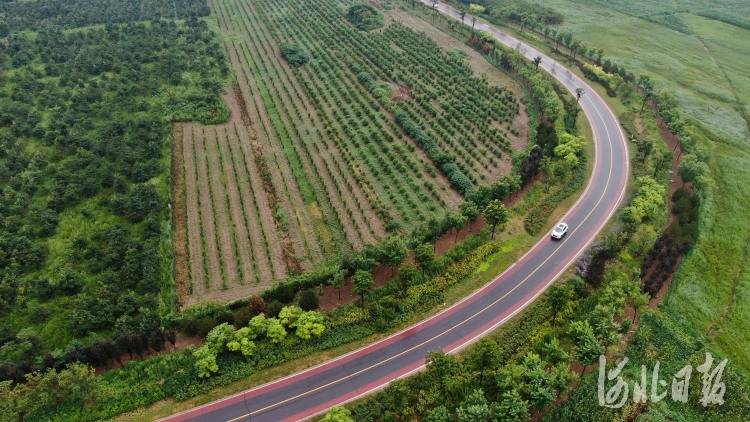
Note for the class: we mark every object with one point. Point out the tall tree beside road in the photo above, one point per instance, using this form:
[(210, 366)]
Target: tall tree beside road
[(496, 215)]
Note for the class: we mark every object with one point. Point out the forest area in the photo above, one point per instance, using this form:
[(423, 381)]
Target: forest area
[(85, 116)]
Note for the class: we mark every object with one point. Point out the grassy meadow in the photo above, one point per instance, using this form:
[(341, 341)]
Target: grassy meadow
[(698, 51)]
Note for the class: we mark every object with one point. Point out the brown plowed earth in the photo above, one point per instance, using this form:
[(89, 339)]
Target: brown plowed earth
[(224, 226), (305, 240), (245, 254), (239, 100), (269, 151), (257, 212), (269, 177), (207, 211), (179, 216), (194, 232)]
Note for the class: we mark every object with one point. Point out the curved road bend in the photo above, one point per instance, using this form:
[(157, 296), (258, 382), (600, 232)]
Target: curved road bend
[(348, 377)]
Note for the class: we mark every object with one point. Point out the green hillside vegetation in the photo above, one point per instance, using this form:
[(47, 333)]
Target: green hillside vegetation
[(84, 163), (689, 57), (701, 59), (23, 15), (364, 17)]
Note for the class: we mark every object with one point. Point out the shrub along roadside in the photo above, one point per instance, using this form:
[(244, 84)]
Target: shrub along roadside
[(175, 375)]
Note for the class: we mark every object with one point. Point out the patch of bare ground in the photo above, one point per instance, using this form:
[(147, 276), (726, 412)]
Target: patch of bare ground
[(281, 187), (257, 211), (239, 227), (210, 245), (355, 225), (179, 216), (194, 230), (401, 94), (521, 124), (225, 226), (238, 107), (298, 224)]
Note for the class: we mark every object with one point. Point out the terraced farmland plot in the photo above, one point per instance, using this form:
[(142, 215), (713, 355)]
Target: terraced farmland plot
[(314, 162)]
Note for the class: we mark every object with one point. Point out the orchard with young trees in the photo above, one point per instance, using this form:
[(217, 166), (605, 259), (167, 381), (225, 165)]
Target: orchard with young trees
[(341, 136)]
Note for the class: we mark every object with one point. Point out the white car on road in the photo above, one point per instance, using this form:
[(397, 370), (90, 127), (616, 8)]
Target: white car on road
[(559, 231)]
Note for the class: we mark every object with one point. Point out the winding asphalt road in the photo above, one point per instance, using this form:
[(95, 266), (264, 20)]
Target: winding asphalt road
[(348, 377)]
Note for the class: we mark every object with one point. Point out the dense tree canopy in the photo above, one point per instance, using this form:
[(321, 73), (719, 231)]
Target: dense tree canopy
[(84, 121), (364, 17), (19, 15)]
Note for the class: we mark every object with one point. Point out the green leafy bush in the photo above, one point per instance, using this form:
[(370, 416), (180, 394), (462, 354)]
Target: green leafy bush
[(294, 55), (364, 17), (309, 300)]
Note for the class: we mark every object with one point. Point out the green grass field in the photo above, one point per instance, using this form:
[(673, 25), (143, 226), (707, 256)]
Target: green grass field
[(699, 52), (704, 69)]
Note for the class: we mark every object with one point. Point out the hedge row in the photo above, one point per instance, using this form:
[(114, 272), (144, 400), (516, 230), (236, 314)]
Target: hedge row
[(445, 162)]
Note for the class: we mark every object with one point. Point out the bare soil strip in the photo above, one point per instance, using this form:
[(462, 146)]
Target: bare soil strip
[(224, 226), (240, 101), (350, 223), (194, 230), (211, 245), (239, 229), (179, 216)]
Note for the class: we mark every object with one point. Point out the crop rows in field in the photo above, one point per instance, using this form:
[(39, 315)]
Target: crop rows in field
[(469, 118), (313, 164)]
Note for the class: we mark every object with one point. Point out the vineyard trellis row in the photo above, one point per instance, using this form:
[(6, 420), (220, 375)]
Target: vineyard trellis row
[(313, 163)]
